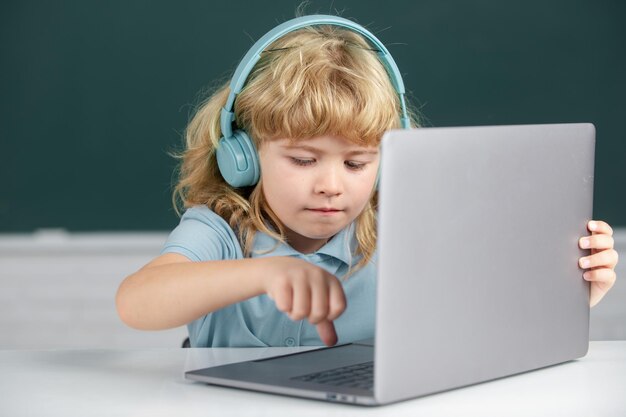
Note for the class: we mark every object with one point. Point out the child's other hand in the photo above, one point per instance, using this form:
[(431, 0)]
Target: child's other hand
[(601, 263), (303, 290)]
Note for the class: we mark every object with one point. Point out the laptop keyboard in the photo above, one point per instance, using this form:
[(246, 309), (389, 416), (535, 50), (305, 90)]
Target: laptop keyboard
[(354, 376)]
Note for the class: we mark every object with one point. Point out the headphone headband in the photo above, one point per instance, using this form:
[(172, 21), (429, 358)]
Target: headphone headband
[(254, 54)]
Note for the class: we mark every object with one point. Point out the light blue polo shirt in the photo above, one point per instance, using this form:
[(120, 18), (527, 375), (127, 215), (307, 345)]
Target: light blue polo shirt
[(202, 235)]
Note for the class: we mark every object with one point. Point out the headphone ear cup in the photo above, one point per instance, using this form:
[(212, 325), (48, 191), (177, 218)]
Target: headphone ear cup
[(238, 160)]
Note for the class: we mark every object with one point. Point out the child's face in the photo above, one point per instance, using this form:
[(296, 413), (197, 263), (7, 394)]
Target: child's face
[(317, 186)]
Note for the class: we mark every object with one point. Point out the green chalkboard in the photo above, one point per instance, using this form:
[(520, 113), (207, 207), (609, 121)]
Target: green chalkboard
[(94, 94)]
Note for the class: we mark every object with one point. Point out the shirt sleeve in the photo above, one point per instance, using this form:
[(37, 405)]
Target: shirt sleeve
[(202, 235)]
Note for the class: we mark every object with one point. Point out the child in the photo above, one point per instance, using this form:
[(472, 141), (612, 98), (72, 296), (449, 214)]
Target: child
[(250, 261)]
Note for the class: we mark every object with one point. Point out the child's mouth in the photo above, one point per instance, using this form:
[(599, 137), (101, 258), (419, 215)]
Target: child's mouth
[(325, 210)]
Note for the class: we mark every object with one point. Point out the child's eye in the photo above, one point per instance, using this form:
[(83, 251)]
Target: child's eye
[(302, 162), (355, 165)]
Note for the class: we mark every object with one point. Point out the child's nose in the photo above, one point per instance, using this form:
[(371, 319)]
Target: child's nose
[(329, 182)]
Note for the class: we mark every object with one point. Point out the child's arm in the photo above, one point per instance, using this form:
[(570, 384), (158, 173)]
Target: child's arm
[(172, 291)]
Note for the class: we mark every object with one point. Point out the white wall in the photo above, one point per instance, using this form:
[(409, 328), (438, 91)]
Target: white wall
[(57, 290)]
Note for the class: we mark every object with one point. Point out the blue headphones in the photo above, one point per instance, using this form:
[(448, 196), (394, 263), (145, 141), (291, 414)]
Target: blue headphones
[(236, 153)]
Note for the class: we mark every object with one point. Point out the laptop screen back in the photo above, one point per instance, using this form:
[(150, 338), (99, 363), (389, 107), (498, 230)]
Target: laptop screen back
[(478, 254)]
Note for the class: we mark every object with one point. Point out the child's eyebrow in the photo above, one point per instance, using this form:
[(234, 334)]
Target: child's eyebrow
[(320, 151)]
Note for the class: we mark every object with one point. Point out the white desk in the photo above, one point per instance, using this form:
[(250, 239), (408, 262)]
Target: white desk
[(150, 383)]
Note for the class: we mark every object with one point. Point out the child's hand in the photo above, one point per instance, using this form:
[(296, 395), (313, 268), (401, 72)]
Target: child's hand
[(601, 263), (303, 290)]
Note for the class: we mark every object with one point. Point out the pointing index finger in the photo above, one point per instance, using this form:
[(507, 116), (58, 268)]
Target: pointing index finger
[(326, 331)]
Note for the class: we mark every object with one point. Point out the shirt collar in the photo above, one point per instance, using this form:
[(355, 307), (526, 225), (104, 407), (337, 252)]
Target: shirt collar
[(342, 246)]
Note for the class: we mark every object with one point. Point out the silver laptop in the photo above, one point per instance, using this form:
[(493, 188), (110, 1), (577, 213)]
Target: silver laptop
[(478, 272)]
